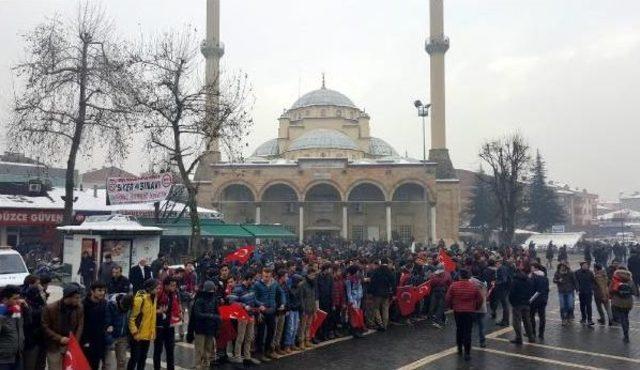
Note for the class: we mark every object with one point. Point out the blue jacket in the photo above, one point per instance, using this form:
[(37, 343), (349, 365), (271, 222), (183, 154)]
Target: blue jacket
[(266, 295), (116, 318)]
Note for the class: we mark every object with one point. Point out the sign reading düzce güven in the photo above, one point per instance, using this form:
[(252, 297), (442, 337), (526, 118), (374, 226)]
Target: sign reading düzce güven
[(147, 189)]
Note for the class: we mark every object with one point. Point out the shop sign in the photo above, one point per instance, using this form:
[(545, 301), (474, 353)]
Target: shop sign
[(19, 217)]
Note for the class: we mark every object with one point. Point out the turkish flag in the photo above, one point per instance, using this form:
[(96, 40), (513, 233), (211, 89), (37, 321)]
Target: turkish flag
[(233, 311), (406, 297), (74, 357), (423, 290), (448, 263), (318, 319), (241, 255)]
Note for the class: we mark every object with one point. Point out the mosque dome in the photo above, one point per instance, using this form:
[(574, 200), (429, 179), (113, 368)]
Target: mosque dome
[(380, 148), (267, 149), (323, 139), (323, 97)]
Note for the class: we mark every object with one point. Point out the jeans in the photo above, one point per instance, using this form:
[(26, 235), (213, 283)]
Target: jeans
[(539, 310), (522, 314), (464, 326), (293, 323), (500, 295), (478, 318), (566, 304), (266, 330), (622, 315), (244, 338), (586, 310), (139, 351), (436, 306), (165, 337)]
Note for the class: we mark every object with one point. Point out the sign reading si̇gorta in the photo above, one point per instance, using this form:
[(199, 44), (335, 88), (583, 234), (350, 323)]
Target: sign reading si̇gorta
[(147, 189)]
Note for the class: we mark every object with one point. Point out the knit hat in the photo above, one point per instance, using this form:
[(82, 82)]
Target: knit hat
[(209, 286), (71, 289)]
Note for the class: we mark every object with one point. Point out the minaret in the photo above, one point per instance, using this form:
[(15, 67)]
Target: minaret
[(213, 49), (437, 45)]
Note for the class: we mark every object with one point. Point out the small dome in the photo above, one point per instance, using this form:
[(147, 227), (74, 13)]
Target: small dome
[(323, 139), (323, 97), (267, 149), (381, 148)]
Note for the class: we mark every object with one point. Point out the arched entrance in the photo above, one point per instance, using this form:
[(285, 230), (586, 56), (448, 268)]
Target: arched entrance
[(366, 213), (279, 204), (237, 203), (410, 212), (322, 204)]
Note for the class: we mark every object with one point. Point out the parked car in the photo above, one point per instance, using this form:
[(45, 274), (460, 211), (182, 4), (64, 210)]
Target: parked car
[(13, 270)]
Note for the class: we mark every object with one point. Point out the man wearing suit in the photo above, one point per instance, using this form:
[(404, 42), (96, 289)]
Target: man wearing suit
[(139, 274)]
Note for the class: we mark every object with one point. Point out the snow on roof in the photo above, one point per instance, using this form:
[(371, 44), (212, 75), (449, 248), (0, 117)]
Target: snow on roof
[(623, 213), (558, 239), (111, 223), (87, 202)]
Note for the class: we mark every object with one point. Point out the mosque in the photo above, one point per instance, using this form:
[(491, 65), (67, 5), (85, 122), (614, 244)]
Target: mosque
[(324, 174)]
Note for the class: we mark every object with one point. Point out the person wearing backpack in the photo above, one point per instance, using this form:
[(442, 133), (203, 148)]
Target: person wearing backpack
[(142, 324), (622, 290)]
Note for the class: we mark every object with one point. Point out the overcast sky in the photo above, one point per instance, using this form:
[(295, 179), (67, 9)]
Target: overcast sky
[(565, 74)]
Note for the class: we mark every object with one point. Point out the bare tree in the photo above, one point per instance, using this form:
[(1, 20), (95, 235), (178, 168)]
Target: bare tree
[(72, 98), (184, 116), (509, 160)]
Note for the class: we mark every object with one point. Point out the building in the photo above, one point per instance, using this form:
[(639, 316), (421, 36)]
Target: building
[(580, 207), (325, 174), (630, 201), (18, 169), (98, 177)]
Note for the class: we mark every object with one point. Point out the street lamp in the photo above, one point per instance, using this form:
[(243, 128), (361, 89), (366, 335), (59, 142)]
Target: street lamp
[(423, 111)]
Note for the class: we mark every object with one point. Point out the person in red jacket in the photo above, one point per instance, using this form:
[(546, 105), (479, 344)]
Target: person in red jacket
[(464, 298)]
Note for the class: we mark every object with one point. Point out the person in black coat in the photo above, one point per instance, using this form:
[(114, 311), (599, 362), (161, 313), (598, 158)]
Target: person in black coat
[(325, 290), (586, 281), (118, 283), (538, 302), (139, 274), (35, 353), (382, 287), (87, 269), (521, 291), (203, 324), (93, 335)]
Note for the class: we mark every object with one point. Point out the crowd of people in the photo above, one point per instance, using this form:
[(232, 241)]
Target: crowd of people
[(282, 288)]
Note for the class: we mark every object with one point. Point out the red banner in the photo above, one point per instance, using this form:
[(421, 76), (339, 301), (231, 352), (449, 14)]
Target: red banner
[(318, 319), (21, 217), (446, 260)]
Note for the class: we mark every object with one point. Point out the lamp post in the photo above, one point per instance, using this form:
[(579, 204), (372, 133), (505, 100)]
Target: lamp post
[(423, 111)]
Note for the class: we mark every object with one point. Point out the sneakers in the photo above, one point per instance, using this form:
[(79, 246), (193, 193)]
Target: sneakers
[(483, 345), (436, 325), (516, 341), (265, 358), (590, 323), (253, 361), (236, 360), (601, 321)]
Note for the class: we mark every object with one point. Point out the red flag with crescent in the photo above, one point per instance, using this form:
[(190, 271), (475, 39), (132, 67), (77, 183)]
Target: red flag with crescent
[(446, 260), (74, 358), (423, 290), (406, 297), (233, 311), (241, 255)]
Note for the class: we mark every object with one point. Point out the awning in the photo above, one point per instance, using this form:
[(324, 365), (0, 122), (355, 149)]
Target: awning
[(269, 231), (226, 231)]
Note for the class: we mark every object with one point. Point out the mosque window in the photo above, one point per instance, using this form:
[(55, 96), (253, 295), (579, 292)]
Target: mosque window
[(405, 232), (339, 113), (323, 112), (323, 154), (357, 232)]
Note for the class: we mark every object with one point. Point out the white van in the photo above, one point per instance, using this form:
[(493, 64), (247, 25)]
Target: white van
[(12, 267)]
